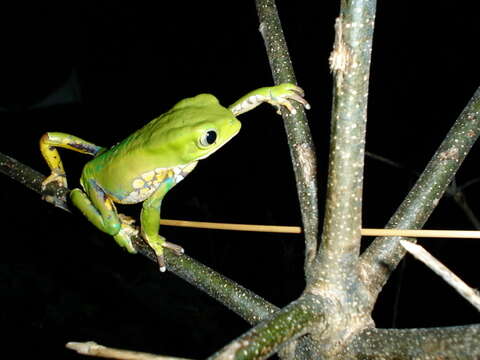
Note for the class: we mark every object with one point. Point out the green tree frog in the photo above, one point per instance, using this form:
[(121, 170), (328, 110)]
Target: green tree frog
[(148, 163)]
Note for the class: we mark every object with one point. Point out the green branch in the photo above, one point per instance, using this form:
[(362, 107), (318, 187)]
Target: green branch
[(384, 254), (242, 301), (299, 138), (267, 337)]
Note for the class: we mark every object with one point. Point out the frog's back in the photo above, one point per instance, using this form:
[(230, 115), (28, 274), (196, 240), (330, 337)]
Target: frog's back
[(160, 150)]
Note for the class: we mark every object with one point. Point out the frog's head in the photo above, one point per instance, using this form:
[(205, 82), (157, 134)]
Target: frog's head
[(195, 128)]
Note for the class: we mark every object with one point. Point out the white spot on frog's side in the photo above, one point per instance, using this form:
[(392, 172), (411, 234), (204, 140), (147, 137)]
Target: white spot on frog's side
[(178, 178), (138, 183)]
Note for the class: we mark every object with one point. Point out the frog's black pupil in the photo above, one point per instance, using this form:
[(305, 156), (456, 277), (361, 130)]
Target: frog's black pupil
[(211, 137)]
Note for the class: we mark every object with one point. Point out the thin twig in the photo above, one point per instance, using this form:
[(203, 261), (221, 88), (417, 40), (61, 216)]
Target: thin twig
[(230, 226), (33, 179), (91, 348), (441, 270), (461, 200), (459, 234), (391, 163), (469, 183)]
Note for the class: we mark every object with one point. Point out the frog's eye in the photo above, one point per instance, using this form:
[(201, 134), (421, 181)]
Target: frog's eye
[(208, 138)]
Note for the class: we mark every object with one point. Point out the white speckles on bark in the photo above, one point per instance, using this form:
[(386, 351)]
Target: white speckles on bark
[(350, 64)]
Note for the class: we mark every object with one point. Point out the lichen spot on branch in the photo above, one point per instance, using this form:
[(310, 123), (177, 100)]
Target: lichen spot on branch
[(450, 154), (340, 57), (306, 158)]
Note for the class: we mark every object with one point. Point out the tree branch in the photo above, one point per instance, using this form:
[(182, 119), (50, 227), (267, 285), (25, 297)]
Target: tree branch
[(350, 62), (242, 301), (459, 342), (299, 138), (267, 337), (384, 254)]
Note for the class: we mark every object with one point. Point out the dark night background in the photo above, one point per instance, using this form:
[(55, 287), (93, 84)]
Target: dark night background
[(101, 70)]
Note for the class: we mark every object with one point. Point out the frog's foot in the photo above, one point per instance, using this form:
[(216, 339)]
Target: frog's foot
[(56, 195), (157, 243), (127, 220), (284, 94), (178, 250), (125, 235), (59, 178)]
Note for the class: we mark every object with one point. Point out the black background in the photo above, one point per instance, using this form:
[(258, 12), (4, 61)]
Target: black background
[(121, 65)]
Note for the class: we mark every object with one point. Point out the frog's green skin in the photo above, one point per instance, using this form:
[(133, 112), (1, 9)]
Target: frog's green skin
[(148, 163)]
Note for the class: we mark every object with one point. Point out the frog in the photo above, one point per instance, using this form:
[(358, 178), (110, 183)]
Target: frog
[(147, 164)]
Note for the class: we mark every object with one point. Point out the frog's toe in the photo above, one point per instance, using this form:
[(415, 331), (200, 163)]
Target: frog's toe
[(55, 194), (158, 243), (161, 262), (286, 88), (286, 104), (124, 237), (297, 97), (178, 250), (59, 201), (60, 179), (285, 94), (127, 220)]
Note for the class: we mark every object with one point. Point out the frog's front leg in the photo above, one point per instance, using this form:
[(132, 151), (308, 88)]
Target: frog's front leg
[(278, 96), (100, 211), (150, 224)]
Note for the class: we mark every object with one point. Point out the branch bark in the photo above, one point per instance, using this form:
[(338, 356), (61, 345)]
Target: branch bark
[(338, 254), (286, 325)]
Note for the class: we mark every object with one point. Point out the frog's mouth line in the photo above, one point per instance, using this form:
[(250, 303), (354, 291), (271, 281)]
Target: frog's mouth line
[(226, 141)]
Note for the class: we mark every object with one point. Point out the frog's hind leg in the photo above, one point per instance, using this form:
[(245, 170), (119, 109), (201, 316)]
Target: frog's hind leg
[(100, 210), (48, 144)]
